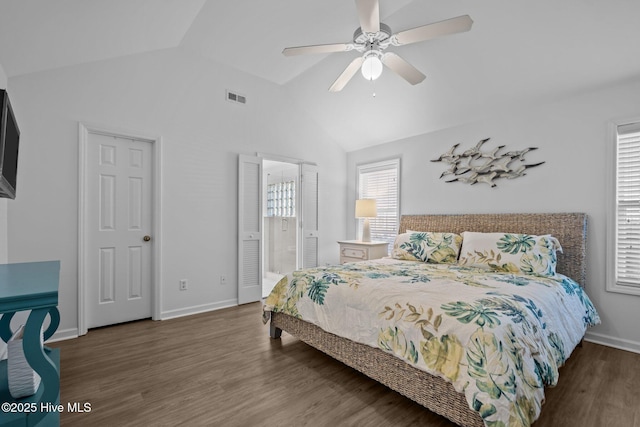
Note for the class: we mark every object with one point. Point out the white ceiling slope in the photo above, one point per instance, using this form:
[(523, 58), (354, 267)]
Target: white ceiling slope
[(38, 35), (517, 52)]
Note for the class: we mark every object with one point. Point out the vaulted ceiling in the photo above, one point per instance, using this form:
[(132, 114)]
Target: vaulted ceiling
[(517, 53)]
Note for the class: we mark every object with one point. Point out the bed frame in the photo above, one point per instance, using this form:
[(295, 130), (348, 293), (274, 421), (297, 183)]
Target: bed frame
[(430, 391)]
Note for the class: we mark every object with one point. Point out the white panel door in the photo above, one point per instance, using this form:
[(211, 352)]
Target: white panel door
[(119, 224), (249, 229), (309, 215)]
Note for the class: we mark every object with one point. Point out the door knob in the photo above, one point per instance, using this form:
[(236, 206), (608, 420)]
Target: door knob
[(146, 238)]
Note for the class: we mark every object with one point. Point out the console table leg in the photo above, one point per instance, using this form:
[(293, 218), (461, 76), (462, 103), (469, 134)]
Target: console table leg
[(54, 322), (5, 326), (38, 360)]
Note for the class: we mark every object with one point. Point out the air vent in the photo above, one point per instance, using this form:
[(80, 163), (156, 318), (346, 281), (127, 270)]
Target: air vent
[(236, 97)]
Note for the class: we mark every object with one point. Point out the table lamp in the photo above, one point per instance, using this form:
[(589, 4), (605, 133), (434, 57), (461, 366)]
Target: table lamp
[(366, 208)]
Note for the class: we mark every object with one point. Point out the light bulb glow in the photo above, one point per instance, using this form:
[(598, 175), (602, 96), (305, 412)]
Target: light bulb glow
[(371, 67)]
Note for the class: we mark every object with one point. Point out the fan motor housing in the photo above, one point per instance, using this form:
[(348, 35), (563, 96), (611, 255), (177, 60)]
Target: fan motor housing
[(359, 37)]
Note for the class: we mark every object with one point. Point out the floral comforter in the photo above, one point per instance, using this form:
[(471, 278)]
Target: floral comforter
[(499, 338)]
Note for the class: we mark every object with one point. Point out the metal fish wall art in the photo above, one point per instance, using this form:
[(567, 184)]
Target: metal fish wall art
[(474, 165)]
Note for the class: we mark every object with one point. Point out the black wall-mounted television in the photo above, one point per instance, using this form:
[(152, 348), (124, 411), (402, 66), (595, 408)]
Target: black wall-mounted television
[(9, 141)]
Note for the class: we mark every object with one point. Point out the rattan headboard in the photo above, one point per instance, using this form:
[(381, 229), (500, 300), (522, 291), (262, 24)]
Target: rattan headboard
[(569, 228)]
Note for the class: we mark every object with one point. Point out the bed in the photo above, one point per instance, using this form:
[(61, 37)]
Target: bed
[(476, 367)]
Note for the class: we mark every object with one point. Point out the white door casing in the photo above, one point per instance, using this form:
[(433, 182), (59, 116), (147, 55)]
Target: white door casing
[(249, 229), (309, 215), (118, 237)]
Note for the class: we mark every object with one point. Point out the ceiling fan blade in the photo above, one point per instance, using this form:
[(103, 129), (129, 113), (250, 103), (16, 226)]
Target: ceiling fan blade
[(346, 75), (320, 48), (369, 15), (402, 68), (437, 29)]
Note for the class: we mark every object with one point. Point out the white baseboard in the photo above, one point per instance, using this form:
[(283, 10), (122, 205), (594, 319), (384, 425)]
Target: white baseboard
[(172, 314), (618, 343), (65, 334)]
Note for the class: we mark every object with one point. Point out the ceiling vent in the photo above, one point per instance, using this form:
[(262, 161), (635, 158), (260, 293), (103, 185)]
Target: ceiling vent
[(236, 97)]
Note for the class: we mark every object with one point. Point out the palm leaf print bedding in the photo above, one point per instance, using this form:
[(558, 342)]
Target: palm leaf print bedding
[(498, 337)]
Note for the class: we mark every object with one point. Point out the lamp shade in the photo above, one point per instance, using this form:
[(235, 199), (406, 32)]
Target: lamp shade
[(366, 208)]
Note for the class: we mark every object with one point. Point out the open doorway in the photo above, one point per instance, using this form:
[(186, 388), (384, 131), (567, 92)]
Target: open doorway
[(281, 181), (252, 214)]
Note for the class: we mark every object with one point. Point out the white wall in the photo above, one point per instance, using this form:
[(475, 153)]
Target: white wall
[(181, 98), (572, 136), (3, 202)]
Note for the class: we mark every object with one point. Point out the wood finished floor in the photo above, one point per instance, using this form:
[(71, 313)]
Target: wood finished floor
[(222, 369)]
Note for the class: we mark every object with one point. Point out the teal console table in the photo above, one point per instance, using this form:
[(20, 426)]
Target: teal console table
[(31, 286)]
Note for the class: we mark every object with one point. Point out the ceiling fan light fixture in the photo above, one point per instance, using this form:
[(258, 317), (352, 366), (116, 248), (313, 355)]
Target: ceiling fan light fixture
[(372, 66), (373, 37)]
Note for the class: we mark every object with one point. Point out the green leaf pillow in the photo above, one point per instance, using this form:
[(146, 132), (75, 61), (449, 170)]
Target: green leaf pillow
[(437, 248), (510, 252)]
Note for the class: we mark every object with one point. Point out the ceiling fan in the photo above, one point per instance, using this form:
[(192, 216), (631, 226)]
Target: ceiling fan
[(373, 37)]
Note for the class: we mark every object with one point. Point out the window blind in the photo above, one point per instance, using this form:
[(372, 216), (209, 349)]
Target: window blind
[(381, 181), (628, 206)]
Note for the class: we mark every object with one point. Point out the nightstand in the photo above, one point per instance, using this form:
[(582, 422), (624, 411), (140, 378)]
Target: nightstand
[(356, 250)]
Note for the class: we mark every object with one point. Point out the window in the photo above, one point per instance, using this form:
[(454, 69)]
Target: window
[(624, 223), (281, 199), (381, 181)]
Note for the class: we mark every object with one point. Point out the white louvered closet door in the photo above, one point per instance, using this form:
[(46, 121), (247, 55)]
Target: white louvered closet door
[(309, 214), (249, 229)]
